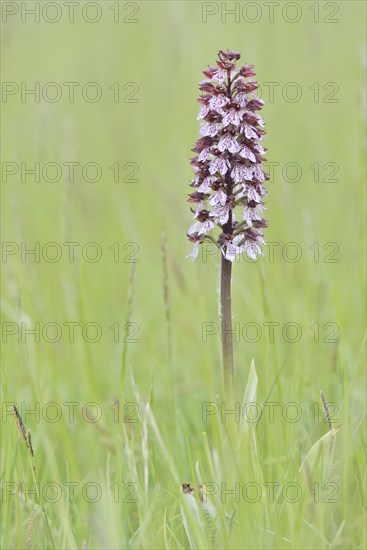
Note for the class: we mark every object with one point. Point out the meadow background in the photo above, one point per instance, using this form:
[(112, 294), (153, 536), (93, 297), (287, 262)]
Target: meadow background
[(171, 371)]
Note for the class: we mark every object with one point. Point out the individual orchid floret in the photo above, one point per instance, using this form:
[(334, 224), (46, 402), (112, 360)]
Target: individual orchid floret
[(228, 184)]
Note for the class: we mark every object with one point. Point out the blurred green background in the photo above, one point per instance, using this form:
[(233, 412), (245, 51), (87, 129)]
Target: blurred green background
[(162, 55)]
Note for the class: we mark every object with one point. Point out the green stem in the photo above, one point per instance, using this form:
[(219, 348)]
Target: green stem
[(225, 291), (40, 499), (226, 327)]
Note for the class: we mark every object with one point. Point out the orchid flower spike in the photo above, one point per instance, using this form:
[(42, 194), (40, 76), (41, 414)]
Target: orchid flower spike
[(228, 183)]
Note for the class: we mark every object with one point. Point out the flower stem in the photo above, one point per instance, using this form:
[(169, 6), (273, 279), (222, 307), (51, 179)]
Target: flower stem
[(225, 293), (226, 327)]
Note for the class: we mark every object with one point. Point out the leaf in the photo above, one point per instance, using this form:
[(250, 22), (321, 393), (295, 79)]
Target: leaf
[(249, 397), (320, 456), (251, 386)]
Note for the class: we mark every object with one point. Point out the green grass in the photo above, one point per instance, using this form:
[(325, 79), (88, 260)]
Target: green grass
[(170, 444)]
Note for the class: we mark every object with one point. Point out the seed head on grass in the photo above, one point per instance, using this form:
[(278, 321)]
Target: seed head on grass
[(26, 436), (30, 528), (326, 407), (229, 178)]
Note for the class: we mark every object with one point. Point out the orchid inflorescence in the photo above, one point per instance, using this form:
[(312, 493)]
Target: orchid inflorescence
[(228, 165)]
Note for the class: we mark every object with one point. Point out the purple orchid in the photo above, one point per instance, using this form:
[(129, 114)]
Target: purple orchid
[(228, 166)]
